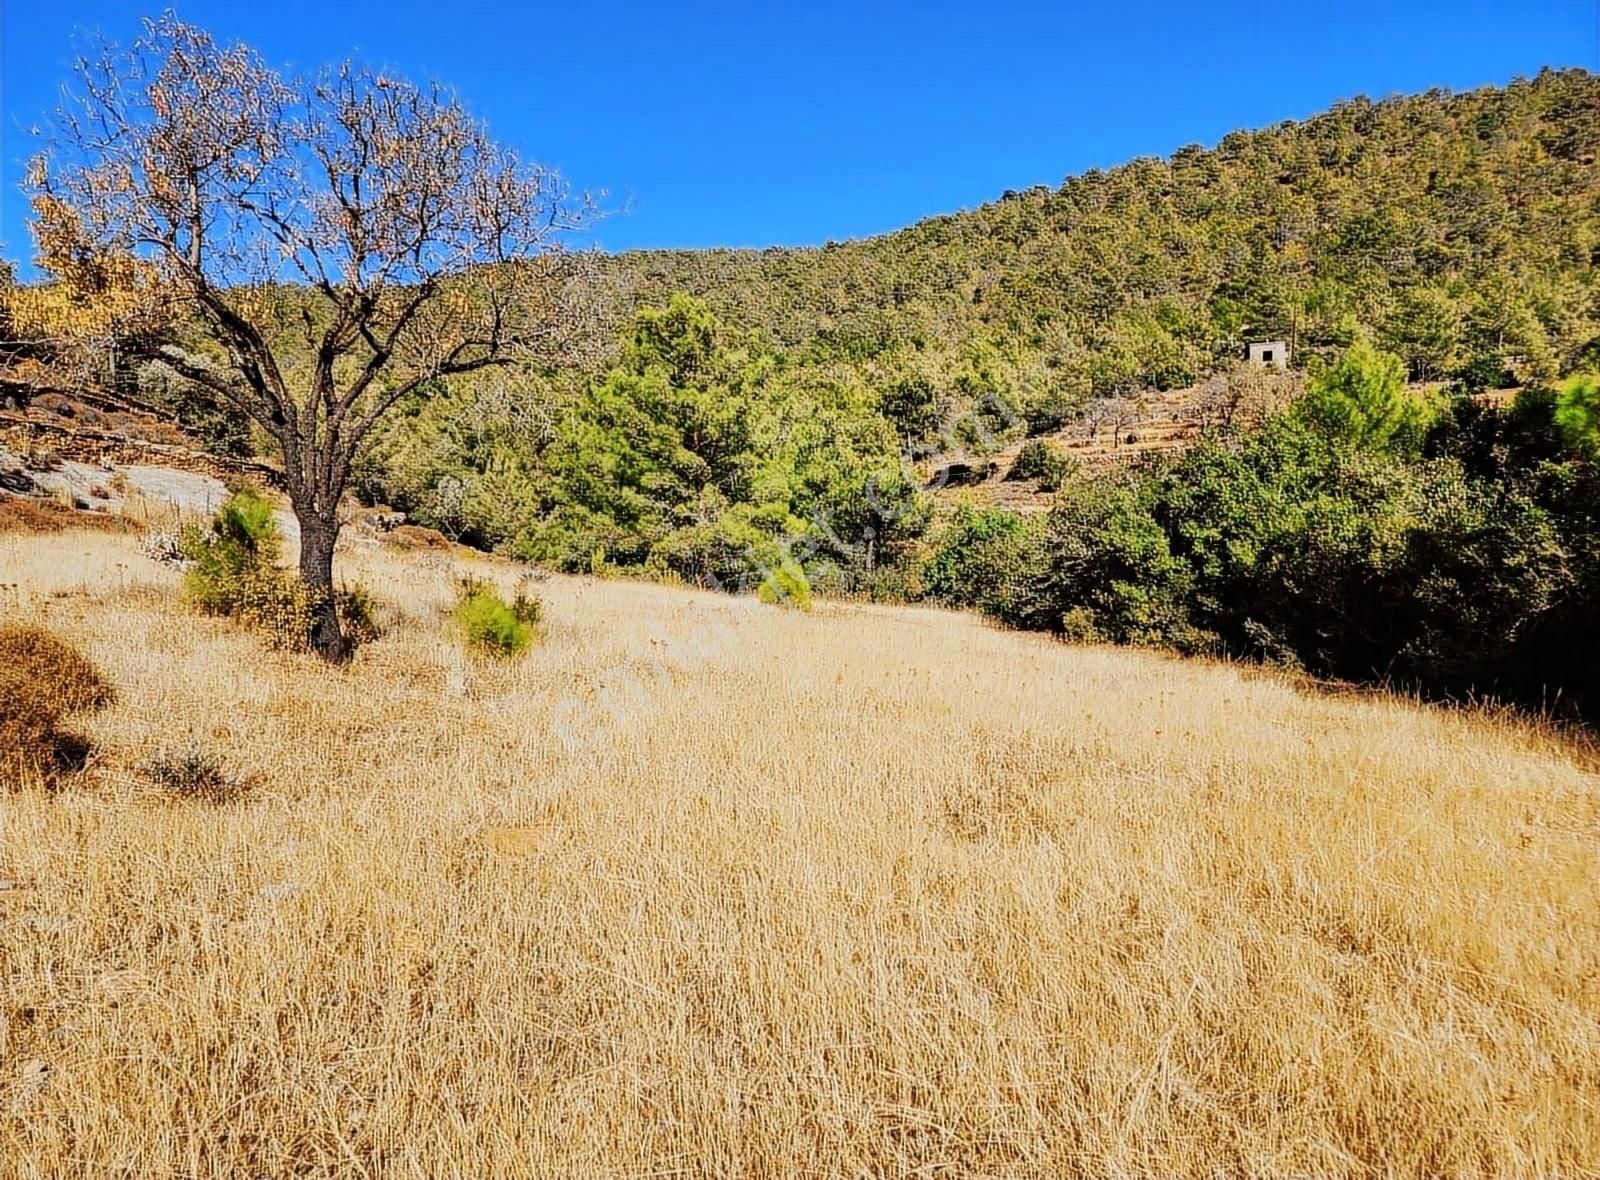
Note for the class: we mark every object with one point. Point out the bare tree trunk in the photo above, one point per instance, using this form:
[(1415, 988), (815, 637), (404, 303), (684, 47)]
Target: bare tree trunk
[(318, 532)]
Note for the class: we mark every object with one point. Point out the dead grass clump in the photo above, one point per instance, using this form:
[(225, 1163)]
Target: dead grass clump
[(23, 515), (360, 615), (194, 773), (43, 681), (413, 536), (30, 516)]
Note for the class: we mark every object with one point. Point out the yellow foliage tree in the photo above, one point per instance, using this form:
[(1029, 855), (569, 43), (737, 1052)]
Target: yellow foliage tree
[(66, 328)]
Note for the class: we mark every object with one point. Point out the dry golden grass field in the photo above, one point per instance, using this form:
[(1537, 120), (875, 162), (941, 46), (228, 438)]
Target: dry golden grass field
[(704, 888)]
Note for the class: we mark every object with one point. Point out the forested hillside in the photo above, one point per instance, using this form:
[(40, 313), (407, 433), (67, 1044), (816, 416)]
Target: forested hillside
[(1462, 230)]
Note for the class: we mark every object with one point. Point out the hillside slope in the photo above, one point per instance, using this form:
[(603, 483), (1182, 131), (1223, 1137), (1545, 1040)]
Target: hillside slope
[(1460, 228), (705, 887)]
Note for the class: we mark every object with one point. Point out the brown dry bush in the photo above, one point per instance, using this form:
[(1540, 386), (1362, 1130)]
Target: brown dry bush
[(412, 536), (20, 515), (42, 681), (28, 516)]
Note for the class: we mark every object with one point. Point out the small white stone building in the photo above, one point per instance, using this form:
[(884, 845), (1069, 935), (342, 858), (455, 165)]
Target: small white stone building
[(1270, 352)]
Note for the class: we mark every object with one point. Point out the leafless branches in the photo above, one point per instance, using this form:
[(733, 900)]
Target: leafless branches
[(427, 249), (386, 199)]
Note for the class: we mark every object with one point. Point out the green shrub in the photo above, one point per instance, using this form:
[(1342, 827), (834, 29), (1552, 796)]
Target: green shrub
[(786, 586), (490, 624), (1469, 572), (1043, 463), (1362, 401), (1106, 568), (899, 580), (986, 558), (1577, 413), (1077, 626), (735, 552), (1056, 404), (233, 572), (242, 536)]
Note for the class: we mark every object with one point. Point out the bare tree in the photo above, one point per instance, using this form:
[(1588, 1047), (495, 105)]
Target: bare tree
[(340, 241)]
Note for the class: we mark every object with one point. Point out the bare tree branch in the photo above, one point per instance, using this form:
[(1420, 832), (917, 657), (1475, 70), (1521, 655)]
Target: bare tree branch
[(415, 247)]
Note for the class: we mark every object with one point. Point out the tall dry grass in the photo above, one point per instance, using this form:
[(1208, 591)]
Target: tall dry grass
[(862, 893)]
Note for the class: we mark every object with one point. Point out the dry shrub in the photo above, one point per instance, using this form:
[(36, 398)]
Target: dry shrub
[(23, 515), (412, 536), (274, 602), (42, 681), (58, 672), (193, 773), (31, 516), (360, 614)]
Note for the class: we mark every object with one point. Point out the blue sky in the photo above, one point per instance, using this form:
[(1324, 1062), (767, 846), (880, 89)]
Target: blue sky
[(769, 123)]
